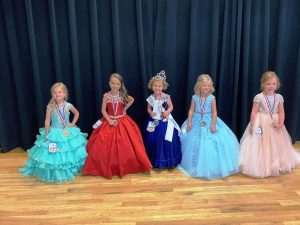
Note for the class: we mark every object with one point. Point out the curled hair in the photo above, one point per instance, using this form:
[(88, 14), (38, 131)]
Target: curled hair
[(63, 88), (201, 78), (157, 78), (266, 76), (123, 90)]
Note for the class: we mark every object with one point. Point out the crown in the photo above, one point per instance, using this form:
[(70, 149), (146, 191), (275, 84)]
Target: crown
[(161, 75)]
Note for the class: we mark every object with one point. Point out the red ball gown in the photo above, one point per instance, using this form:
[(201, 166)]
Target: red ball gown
[(116, 150)]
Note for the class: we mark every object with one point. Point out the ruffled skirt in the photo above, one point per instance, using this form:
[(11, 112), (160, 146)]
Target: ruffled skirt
[(60, 166)]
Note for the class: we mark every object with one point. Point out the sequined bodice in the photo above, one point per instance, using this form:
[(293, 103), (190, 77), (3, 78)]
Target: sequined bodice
[(273, 103), (207, 104), (55, 119), (115, 105)]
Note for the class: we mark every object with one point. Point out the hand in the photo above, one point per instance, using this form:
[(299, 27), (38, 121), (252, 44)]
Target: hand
[(251, 128), (213, 128), (278, 126), (71, 125), (124, 111), (188, 126), (113, 123), (165, 114)]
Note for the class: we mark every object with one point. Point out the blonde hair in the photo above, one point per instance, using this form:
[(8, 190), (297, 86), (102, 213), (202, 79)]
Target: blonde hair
[(123, 90), (157, 78), (202, 78), (266, 76), (63, 88)]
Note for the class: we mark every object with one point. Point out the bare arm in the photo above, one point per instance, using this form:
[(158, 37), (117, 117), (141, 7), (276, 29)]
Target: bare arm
[(104, 113), (76, 116), (281, 117), (129, 103), (190, 115), (213, 116), (170, 108), (47, 120), (254, 111), (149, 110)]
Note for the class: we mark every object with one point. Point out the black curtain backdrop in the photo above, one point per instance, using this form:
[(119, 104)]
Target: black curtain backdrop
[(82, 42)]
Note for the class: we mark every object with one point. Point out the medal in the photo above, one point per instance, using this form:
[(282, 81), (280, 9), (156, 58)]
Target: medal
[(66, 133), (62, 116), (155, 122), (115, 107), (115, 123), (202, 110)]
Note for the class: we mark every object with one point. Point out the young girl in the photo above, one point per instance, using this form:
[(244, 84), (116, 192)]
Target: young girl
[(209, 148), (161, 133), (59, 152), (266, 148), (116, 146)]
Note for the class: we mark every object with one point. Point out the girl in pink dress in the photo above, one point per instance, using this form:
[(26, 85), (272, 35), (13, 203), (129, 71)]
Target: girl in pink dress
[(266, 147)]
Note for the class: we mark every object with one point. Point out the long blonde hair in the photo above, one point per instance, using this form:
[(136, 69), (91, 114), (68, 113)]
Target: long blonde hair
[(63, 88), (201, 78), (266, 76), (123, 90)]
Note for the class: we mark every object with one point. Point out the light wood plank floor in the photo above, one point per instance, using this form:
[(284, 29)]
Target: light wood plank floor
[(155, 198)]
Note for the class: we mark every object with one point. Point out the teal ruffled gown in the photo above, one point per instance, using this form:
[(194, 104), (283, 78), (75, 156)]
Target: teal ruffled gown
[(60, 166)]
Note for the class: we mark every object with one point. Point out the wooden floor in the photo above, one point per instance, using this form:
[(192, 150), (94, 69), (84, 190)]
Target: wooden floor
[(155, 198)]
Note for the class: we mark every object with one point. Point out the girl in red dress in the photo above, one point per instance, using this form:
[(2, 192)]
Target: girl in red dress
[(116, 146)]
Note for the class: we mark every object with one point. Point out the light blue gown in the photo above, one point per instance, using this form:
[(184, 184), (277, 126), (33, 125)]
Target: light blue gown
[(61, 166), (205, 154)]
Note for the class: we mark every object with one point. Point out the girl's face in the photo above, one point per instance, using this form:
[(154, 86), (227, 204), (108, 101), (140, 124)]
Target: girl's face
[(114, 84), (58, 94), (270, 85), (205, 87), (157, 87)]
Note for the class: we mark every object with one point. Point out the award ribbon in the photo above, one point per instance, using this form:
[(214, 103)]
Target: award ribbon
[(271, 109)]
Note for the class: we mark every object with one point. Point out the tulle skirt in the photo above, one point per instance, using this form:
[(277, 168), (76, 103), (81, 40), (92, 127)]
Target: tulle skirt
[(266, 151), (61, 166), (208, 155)]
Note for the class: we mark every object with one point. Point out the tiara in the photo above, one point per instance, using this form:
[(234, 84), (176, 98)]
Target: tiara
[(161, 75)]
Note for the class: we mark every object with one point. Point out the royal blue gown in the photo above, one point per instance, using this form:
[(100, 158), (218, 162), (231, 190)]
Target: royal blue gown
[(161, 138), (205, 154), (67, 162)]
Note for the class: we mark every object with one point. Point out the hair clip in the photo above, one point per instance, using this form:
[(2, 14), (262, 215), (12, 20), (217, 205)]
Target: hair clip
[(161, 75)]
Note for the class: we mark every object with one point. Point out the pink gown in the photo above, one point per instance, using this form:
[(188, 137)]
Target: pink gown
[(267, 152)]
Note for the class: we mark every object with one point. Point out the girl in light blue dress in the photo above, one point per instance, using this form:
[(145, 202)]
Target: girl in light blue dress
[(209, 148), (59, 152)]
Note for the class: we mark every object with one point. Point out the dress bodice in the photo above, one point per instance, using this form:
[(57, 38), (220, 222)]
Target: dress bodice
[(274, 102), (162, 101), (115, 105), (207, 108), (55, 118)]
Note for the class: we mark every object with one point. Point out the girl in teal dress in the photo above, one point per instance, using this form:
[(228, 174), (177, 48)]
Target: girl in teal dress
[(209, 148), (59, 152)]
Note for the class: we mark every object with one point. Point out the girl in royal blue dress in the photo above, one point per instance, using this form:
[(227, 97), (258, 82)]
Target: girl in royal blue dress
[(59, 152), (161, 130), (209, 148)]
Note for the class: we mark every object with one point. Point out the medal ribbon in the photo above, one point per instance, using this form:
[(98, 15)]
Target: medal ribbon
[(271, 109), (61, 115), (202, 105), (115, 108)]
